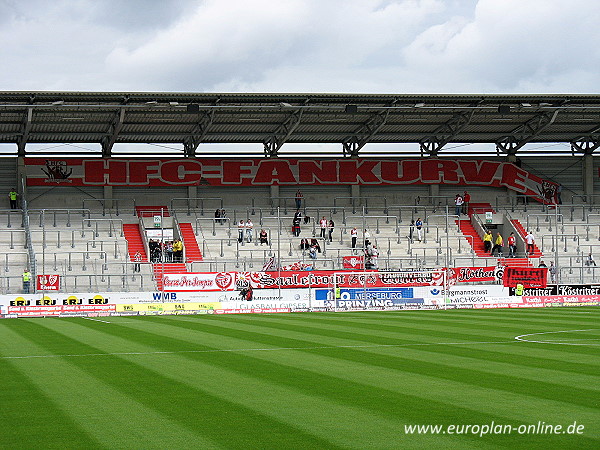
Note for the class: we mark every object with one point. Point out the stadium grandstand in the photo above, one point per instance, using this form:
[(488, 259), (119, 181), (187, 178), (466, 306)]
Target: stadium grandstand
[(101, 177)]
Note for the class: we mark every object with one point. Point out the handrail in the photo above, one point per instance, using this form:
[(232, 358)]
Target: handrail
[(103, 202), (202, 199), (110, 221)]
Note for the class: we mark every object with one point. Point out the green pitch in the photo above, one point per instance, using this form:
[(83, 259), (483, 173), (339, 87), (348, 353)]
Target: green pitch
[(310, 380)]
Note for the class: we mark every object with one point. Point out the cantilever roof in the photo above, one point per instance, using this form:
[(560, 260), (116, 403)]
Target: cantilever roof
[(353, 121)]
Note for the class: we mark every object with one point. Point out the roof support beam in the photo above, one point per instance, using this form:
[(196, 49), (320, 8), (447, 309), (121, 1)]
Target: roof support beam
[(525, 133), (445, 132), (275, 141), (191, 143), (25, 129), (114, 129), (588, 143), (352, 144)]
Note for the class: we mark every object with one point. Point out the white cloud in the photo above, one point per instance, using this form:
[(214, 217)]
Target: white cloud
[(403, 46)]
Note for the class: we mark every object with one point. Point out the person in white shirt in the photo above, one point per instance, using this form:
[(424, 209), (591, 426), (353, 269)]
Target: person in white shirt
[(458, 202), (241, 227), (323, 222), (249, 226), (530, 242), (367, 237)]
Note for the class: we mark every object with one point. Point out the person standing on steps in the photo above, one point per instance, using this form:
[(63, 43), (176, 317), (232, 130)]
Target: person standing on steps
[(249, 227), (12, 196), (323, 222), (354, 236), (498, 243), (487, 241), (26, 281), (419, 227), (298, 199), (137, 258), (512, 245), (530, 242)]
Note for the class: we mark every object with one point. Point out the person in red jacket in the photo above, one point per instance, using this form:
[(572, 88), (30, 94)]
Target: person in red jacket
[(512, 246), (465, 205)]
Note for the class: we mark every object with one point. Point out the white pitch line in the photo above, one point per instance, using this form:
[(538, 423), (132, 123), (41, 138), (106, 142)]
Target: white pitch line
[(519, 338), (95, 320), (253, 349)]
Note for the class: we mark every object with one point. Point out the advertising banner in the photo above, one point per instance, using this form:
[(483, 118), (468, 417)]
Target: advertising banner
[(48, 282), (280, 171), (229, 281), (529, 277), (490, 274), (354, 262)]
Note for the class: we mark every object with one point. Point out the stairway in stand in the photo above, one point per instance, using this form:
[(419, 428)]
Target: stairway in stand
[(515, 262), (537, 253), (468, 230), (151, 211), (479, 208), (134, 241), (192, 251)]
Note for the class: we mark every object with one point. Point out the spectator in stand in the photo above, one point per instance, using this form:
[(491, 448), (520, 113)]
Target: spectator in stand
[(312, 252), (249, 227), (419, 227), (552, 271), (367, 238), (178, 251), (223, 217), (304, 245), (487, 241), (530, 243), (512, 245), (542, 264), (331, 226), (458, 203), (590, 260), (411, 230), (498, 243), (499, 273), (299, 197), (559, 189), (169, 251), (323, 222), (315, 243), (12, 196), (26, 281), (137, 258), (353, 236), (241, 228), (466, 200), (263, 237), (218, 216), (296, 224)]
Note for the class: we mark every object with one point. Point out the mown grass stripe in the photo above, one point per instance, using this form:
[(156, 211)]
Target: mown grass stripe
[(495, 356), (29, 417), (253, 368), (113, 419), (191, 407)]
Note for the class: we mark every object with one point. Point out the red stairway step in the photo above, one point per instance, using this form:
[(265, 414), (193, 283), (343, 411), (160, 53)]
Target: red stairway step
[(131, 231), (151, 211), (537, 253), (192, 251)]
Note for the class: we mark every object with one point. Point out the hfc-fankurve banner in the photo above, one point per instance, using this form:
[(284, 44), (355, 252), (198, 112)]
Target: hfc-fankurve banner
[(266, 172)]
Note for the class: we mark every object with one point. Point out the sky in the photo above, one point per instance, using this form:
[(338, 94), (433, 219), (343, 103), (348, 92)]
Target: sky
[(341, 46)]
